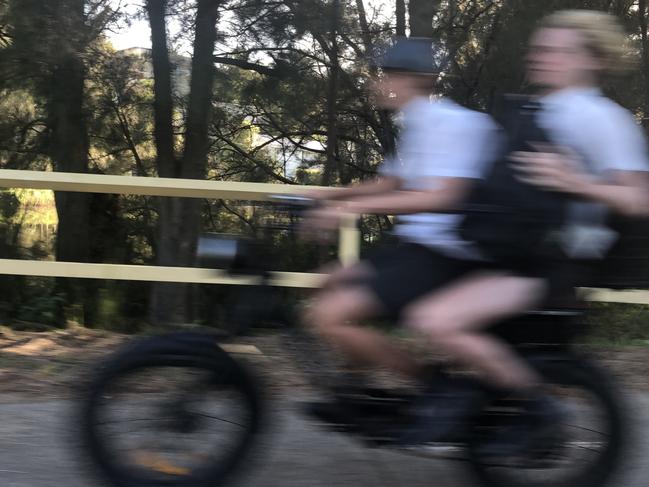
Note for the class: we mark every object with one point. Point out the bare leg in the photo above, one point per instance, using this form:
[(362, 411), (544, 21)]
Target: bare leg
[(330, 316), (339, 275), (454, 317)]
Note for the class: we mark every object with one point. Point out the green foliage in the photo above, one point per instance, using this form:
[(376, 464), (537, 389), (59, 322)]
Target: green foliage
[(43, 309), (119, 101), (21, 130), (9, 205), (618, 324), (269, 124), (31, 207), (110, 313)]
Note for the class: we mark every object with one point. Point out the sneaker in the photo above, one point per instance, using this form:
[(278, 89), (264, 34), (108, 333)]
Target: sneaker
[(441, 413), (333, 412), (343, 406), (534, 432)]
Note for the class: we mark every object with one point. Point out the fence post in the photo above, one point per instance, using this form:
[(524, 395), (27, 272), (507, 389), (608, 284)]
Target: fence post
[(349, 240)]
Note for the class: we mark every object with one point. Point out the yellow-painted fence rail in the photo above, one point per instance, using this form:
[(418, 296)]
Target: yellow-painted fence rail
[(348, 250)]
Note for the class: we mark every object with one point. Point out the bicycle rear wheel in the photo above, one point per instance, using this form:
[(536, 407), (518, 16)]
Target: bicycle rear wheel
[(171, 410), (588, 444)]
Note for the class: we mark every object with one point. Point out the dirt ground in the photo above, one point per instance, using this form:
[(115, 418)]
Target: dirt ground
[(40, 372), (55, 363)]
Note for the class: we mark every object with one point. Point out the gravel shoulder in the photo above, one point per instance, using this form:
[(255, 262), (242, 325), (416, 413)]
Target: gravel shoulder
[(39, 373), (54, 364)]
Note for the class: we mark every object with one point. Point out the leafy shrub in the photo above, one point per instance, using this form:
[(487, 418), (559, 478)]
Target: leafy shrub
[(47, 310), (618, 324)]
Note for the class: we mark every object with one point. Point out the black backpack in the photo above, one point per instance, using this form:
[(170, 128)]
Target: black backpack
[(626, 265), (508, 219)]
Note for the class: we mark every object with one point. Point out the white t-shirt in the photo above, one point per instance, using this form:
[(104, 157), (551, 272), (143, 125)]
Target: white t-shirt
[(440, 139), (608, 139)]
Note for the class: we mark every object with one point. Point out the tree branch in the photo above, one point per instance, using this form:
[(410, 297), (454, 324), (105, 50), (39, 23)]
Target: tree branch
[(240, 63), (257, 163)]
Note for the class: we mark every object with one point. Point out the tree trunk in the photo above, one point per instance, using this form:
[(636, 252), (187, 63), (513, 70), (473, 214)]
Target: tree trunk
[(179, 218), (194, 164), (365, 29), (421, 13), (331, 165), (69, 153), (386, 134), (401, 18), (68, 148), (642, 16), (165, 306), (162, 103)]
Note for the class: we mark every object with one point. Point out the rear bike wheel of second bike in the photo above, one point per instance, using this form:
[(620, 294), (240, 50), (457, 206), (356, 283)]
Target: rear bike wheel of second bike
[(173, 410), (586, 446)]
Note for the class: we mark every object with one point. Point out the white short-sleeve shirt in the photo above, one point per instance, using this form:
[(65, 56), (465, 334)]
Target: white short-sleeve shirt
[(608, 139), (440, 139)]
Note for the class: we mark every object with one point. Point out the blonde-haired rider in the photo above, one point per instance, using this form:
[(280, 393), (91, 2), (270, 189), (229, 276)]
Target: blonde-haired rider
[(598, 158)]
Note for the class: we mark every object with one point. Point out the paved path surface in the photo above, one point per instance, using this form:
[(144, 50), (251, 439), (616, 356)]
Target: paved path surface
[(37, 450)]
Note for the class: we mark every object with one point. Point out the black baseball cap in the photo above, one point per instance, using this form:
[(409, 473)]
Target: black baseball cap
[(411, 55)]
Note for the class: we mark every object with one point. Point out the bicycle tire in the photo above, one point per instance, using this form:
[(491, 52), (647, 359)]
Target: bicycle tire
[(184, 350), (571, 370)]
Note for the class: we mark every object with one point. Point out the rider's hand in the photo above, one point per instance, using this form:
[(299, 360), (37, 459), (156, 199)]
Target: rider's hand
[(551, 168), (323, 221), (320, 195)]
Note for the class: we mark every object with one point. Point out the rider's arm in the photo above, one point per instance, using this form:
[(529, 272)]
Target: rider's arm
[(436, 172), (624, 192), (447, 195), (379, 185), (615, 146), (627, 194), (445, 169), (621, 152)]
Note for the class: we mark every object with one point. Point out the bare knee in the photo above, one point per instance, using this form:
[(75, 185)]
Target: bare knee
[(433, 321), (320, 314), (345, 276), (336, 308)]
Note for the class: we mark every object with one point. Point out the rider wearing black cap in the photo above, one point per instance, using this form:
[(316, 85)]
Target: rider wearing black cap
[(442, 150)]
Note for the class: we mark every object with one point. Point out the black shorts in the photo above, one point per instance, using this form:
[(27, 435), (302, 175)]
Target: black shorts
[(407, 271)]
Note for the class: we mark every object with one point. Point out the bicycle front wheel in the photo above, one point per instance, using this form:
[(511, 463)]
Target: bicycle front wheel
[(173, 410)]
